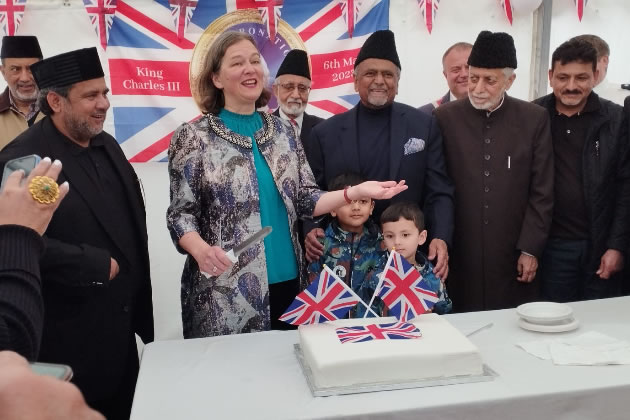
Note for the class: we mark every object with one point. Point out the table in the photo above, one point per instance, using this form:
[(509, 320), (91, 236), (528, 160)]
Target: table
[(257, 376)]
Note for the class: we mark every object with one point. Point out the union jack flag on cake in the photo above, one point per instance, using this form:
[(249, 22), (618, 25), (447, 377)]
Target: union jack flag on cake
[(326, 299), (405, 292), (11, 14), (391, 331)]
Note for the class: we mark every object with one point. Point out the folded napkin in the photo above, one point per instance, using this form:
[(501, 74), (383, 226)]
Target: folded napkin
[(588, 349)]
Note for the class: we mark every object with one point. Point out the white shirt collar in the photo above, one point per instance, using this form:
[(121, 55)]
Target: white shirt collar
[(298, 120), (499, 106)]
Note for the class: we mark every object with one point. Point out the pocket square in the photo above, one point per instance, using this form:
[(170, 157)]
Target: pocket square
[(414, 145)]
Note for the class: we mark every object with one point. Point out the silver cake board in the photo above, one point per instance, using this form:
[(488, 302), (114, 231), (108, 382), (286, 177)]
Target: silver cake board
[(487, 375)]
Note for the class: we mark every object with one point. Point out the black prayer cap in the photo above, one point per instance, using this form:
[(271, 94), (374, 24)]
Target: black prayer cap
[(493, 51), (20, 46), (296, 62), (380, 44), (68, 68)]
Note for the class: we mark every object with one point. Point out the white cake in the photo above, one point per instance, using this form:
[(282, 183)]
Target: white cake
[(441, 352)]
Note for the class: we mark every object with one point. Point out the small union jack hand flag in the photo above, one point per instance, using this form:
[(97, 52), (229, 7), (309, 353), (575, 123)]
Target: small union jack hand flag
[(326, 299), (579, 7), (181, 12), (101, 13), (428, 8), (391, 331), (11, 14), (403, 289), (350, 13)]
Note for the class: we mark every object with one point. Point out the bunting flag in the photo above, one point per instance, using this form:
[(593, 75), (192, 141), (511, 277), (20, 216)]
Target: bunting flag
[(270, 12), (182, 11), (508, 9), (579, 7), (429, 10), (325, 299), (405, 292), (350, 13), (11, 14), (101, 13)]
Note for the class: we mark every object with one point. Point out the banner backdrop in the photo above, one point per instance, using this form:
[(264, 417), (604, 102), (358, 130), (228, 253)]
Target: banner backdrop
[(146, 47)]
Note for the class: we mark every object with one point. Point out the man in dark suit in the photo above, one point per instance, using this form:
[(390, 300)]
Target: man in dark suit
[(95, 270), (455, 70), (382, 139), (291, 88)]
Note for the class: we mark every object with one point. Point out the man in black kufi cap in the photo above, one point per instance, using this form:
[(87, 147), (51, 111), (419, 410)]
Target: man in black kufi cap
[(291, 88), (498, 152), (95, 269), (381, 139), (18, 102)]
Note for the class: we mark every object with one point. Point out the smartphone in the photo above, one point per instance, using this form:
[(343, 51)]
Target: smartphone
[(25, 163), (63, 372)]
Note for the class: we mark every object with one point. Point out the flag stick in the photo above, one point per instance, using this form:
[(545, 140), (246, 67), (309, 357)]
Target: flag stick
[(380, 282)]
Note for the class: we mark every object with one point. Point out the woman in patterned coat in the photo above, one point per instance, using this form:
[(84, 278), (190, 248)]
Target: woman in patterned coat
[(232, 172)]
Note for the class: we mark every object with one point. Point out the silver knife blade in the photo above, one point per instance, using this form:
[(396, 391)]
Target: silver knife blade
[(256, 237)]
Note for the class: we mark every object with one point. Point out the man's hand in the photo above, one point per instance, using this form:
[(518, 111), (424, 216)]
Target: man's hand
[(438, 248), (17, 206), (526, 268), (610, 263), (314, 248), (25, 395), (113, 269)]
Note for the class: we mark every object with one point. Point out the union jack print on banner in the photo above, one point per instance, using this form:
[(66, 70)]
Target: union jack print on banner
[(11, 14), (101, 13), (428, 8), (392, 331), (403, 289), (579, 7), (508, 9), (182, 11), (326, 299), (148, 63), (350, 11)]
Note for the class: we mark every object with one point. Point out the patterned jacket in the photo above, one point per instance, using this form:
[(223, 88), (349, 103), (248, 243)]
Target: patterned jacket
[(214, 192), (354, 259)]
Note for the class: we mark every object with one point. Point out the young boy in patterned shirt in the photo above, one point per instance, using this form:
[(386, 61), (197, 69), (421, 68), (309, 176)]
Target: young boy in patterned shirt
[(403, 229), (352, 246)]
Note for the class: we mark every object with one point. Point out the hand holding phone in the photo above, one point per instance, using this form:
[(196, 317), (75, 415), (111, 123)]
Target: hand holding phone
[(17, 205), (25, 163)]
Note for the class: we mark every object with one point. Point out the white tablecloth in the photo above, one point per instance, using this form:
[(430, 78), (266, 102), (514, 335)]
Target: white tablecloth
[(257, 376)]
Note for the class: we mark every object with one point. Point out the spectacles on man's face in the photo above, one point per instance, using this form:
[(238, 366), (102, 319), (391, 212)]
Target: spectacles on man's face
[(290, 87)]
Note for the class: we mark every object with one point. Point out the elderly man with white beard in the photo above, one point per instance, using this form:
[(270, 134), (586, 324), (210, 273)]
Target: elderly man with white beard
[(499, 155), (291, 88), (18, 102)]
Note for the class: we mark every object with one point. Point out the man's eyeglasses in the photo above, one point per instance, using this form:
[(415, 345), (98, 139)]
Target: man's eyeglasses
[(290, 87)]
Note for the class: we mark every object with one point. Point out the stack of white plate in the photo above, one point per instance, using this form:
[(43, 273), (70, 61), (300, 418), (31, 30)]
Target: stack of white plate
[(546, 317)]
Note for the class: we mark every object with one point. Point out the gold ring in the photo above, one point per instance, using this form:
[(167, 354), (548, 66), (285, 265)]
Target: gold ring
[(44, 189)]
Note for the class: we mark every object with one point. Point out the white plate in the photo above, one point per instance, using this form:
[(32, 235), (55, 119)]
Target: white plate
[(544, 312), (563, 326)]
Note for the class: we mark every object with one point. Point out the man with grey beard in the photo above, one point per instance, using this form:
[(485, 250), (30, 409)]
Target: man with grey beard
[(291, 89), (383, 139), (18, 102), (499, 154), (95, 267)]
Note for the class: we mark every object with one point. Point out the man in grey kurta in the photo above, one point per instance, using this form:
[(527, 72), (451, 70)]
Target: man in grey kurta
[(499, 155)]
